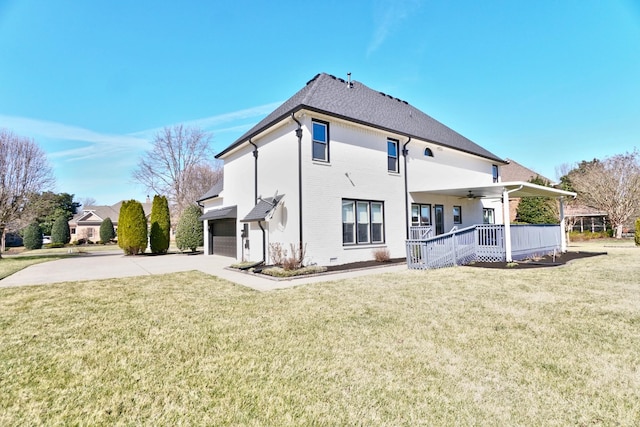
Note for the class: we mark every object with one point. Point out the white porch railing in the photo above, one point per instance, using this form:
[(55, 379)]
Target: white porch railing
[(483, 243), (420, 232)]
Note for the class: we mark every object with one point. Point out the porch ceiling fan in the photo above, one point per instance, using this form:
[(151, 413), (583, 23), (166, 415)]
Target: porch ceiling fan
[(470, 196)]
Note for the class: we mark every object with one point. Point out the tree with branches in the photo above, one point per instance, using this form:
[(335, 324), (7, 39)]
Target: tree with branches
[(24, 170), (179, 165), (611, 185)]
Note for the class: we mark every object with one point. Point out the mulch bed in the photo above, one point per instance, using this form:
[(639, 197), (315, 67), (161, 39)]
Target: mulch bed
[(365, 264), (546, 261)]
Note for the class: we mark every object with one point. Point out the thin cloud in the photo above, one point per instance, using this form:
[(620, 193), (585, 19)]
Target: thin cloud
[(209, 123), (388, 15), (59, 131)]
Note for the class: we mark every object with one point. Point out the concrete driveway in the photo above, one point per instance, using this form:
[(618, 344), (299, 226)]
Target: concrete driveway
[(108, 265)]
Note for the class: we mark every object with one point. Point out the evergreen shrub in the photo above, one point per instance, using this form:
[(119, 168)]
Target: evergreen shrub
[(60, 232), (32, 237), (132, 228), (190, 230), (107, 232), (160, 225), (636, 237)]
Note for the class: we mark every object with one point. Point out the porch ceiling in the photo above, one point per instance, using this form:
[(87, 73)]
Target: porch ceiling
[(515, 188)]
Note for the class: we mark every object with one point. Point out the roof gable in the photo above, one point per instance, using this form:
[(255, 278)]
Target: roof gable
[(358, 103)]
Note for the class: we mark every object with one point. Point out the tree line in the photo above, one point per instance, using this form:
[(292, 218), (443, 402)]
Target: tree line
[(610, 185)]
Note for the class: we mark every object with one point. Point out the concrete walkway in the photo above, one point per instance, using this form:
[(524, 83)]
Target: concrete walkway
[(107, 265)]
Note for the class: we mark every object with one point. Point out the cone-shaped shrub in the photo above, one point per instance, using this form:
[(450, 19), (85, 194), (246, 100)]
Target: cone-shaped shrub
[(637, 234), (132, 228), (60, 231), (189, 232), (160, 225), (107, 232), (32, 236)]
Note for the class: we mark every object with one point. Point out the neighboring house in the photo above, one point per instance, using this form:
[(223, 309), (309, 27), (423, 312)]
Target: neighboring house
[(514, 171), (344, 170), (86, 224)]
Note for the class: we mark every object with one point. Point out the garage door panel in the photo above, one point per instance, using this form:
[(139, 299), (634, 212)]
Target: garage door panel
[(224, 237)]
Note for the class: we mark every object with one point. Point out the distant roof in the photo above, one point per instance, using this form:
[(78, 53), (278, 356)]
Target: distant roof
[(358, 103), (514, 171), (103, 211), (222, 213), (263, 209), (214, 191)]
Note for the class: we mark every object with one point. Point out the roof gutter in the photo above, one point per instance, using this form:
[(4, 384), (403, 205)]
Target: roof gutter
[(299, 136)]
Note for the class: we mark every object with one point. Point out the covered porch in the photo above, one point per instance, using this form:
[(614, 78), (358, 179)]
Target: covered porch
[(488, 242)]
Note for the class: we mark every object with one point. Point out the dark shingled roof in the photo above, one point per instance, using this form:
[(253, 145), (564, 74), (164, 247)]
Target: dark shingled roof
[(214, 191), (222, 213), (358, 103), (262, 209), (514, 171)]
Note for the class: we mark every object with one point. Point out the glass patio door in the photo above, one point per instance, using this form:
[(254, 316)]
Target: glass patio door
[(439, 219)]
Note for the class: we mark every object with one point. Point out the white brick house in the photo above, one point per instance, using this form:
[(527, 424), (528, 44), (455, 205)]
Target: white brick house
[(345, 170)]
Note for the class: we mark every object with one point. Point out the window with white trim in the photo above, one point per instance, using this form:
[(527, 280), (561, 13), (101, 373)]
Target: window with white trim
[(392, 156), (320, 137), (494, 171), (362, 222)]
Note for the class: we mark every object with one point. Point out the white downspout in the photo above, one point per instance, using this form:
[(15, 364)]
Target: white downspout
[(507, 222)]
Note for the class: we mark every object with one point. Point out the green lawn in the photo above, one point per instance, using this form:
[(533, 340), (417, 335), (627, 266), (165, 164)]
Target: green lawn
[(458, 346)]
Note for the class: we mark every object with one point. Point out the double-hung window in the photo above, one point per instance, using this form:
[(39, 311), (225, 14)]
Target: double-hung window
[(392, 156), (494, 171), (362, 222), (320, 138)]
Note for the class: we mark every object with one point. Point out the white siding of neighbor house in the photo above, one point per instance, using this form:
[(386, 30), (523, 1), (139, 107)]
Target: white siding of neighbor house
[(357, 169)]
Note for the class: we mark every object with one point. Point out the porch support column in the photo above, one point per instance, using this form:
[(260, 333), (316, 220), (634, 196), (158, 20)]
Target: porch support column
[(507, 224), (563, 229)]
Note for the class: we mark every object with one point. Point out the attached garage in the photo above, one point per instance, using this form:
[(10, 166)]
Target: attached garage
[(222, 231)]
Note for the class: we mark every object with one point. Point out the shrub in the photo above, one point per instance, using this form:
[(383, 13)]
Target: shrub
[(160, 225), (132, 228), (32, 237), (190, 230), (637, 232), (381, 255), (278, 253), (107, 232), (54, 245), (60, 231), (296, 260)]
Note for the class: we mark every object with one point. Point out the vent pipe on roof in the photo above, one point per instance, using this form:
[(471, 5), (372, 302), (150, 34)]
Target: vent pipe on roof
[(349, 84)]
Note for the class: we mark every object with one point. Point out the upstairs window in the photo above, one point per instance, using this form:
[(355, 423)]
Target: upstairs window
[(494, 170), (428, 152), (320, 141), (392, 155)]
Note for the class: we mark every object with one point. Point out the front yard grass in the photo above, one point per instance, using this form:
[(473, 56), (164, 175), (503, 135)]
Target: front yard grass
[(457, 346)]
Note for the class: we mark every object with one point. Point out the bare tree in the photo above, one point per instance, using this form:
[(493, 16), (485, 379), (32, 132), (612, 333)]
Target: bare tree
[(87, 201), (178, 166), (611, 185), (24, 170)]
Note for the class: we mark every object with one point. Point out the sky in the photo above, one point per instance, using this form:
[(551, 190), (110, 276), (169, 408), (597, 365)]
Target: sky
[(546, 83)]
